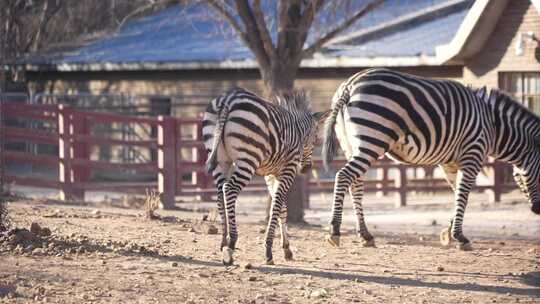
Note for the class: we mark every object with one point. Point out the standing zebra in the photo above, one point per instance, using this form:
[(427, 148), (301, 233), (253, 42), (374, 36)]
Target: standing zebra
[(429, 122), (245, 135)]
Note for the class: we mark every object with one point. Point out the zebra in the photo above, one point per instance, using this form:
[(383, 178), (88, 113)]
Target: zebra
[(246, 135), (424, 121)]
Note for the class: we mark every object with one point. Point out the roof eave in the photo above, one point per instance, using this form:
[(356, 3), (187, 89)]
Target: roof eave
[(473, 32), (316, 62)]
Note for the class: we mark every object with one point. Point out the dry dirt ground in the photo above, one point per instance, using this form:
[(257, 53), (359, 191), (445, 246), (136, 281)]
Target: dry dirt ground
[(114, 255)]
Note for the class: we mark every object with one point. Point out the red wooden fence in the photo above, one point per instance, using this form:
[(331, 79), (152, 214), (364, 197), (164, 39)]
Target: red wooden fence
[(70, 130)]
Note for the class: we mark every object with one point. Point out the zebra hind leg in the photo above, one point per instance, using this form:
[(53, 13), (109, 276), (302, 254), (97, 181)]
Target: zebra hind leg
[(231, 189), (282, 186), (272, 184), (466, 179), (357, 193), (450, 173), (353, 170), (284, 237), (219, 180)]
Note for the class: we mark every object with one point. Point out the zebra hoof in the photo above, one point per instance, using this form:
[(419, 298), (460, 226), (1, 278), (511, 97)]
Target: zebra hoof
[(270, 262), (288, 254), (464, 246), (369, 243), (333, 240), (445, 237), (227, 256)]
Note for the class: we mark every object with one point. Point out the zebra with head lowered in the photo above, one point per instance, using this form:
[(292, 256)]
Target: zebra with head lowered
[(429, 122), (246, 135)]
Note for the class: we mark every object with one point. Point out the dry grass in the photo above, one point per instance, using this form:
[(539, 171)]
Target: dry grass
[(151, 204)]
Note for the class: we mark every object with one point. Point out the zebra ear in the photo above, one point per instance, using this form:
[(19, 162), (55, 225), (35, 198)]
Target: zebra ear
[(320, 117), (482, 93)]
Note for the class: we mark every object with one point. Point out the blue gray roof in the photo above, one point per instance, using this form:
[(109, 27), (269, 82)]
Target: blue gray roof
[(190, 35)]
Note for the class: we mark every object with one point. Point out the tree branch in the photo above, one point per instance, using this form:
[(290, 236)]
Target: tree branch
[(310, 12), (254, 39), (144, 8), (324, 39), (263, 29), (229, 18)]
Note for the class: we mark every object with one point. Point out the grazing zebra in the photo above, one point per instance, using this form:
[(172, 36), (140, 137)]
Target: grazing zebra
[(429, 122), (246, 135)]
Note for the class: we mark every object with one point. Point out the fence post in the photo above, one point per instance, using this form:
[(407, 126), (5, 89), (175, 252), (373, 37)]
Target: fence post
[(81, 173), (64, 154), (401, 185), (494, 194), (167, 163)]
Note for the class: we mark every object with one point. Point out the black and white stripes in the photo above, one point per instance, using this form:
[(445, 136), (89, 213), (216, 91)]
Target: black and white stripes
[(245, 135), (431, 122)]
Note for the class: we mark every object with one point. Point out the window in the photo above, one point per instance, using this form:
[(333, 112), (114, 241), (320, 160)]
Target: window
[(524, 86)]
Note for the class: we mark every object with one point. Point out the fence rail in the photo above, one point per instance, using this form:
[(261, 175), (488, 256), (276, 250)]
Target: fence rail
[(179, 164)]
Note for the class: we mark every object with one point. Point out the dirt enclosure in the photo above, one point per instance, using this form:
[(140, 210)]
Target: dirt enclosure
[(91, 254)]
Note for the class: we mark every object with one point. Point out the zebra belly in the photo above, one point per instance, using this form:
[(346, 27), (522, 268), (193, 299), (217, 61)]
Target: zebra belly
[(405, 150)]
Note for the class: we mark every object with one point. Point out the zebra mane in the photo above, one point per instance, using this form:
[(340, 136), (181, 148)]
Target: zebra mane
[(496, 97), (295, 101)]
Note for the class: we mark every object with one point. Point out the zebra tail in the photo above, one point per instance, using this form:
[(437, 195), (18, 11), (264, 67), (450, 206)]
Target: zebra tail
[(223, 114), (329, 148)]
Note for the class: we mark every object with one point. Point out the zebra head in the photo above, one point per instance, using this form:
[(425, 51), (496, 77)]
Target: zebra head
[(316, 122), (308, 123)]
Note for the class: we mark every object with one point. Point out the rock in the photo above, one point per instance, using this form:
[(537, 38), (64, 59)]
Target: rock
[(248, 266), (38, 251), (25, 235), (259, 298), (252, 279), (96, 212), (211, 229), (434, 223), (191, 229), (440, 268), (174, 264), (262, 230), (45, 232), (203, 275), (319, 293), (35, 228)]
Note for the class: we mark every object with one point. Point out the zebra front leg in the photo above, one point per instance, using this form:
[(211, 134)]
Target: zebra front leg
[(282, 185), (357, 193), (465, 180)]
